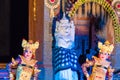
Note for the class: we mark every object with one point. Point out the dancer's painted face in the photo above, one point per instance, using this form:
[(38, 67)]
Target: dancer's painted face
[(28, 53), (103, 56)]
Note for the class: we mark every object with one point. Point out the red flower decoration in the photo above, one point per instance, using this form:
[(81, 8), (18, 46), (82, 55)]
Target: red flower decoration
[(118, 5), (52, 1)]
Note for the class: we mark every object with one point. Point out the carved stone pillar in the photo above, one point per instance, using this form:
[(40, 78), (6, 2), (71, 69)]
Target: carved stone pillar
[(36, 21)]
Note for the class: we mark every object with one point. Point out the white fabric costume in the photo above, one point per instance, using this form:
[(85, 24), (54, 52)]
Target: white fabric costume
[(65, 58)]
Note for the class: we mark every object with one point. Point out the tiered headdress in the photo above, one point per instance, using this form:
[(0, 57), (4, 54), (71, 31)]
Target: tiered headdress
[(106, 47), (30, 45)]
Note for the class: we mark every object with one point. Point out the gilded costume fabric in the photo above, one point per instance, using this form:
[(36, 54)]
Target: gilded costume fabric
[(100, 69), (26, 69), (24, 72)]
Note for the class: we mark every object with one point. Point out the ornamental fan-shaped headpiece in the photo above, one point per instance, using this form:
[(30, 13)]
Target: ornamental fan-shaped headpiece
[(106, 47), (30, 45)]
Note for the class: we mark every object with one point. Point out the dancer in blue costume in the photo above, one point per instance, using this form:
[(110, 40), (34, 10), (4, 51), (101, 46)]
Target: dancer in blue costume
[(65, 59)]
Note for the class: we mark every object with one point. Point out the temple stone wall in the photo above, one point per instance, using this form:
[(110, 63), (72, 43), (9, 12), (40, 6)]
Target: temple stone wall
[(47, 48), (116, 56)]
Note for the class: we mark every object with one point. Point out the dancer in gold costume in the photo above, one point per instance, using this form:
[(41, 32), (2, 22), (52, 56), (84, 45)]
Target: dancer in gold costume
[(26, 64), (101, 66)]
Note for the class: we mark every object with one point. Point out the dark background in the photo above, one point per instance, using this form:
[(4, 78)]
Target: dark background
[(13, 28)]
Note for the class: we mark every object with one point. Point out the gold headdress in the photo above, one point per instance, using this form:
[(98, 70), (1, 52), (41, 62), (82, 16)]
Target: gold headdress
[(106, 47), (30, 45)]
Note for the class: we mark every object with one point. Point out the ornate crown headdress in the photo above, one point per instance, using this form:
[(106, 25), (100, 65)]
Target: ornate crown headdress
[(106, 47), (30, 45)]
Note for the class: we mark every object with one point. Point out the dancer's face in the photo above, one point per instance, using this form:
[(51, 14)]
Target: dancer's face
[(103, 56), (28, 54)]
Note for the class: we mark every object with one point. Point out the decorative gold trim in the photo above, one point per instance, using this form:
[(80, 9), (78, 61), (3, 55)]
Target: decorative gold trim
[(107, 7), (34, 10), (52, 6)]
